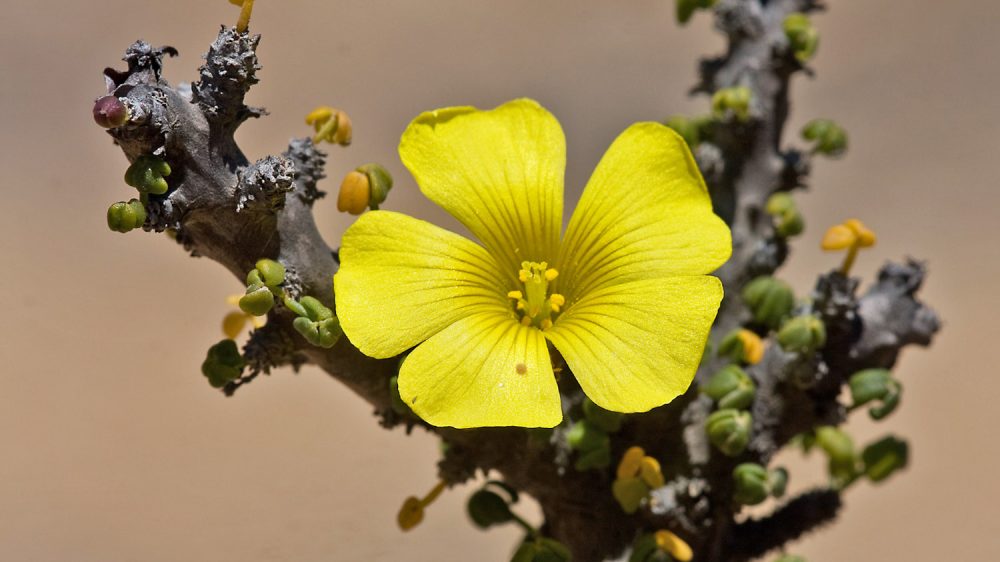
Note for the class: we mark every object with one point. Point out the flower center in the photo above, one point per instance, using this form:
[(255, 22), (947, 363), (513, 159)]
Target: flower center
[(535, 305)]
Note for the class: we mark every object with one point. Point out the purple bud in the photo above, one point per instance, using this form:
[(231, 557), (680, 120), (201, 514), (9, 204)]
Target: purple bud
[(110, 112)]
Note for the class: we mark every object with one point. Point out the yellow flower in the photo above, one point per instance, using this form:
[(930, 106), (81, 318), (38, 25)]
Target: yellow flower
[(624, 296)]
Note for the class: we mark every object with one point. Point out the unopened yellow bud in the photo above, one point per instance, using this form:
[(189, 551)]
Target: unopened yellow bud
[(631, 462), (410, 514), (233, 324), (332, 125), (355, 192), (851, 236), (838, 237), (673, 545), (649, 471), (753, 347)]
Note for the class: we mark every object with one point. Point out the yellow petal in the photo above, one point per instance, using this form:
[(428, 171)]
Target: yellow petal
[(402, 280), (636, 346), (499, 172), (645, 213), (484, 370)]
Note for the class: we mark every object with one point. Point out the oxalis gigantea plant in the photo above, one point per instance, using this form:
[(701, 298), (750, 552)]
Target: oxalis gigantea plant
[(635, 374)]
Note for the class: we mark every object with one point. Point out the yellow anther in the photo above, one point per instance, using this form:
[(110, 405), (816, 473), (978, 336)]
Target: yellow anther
[(546, 324), (557, 299), (520, 306), (631, 463), (551, 274), (649, 471), (332, 125), (673, 545), (516, 295), (851, 235), (411, 513), (753, 347), (525, 320), (523, 276)]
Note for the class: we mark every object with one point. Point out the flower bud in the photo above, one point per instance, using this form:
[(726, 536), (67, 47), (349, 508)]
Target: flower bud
[(875, 384), (802, 334), (785, 215), (380, 182), (734, 101), (146, 174), (770, 300), (223, 363), (729, 430), (730, 387), (839, 448), (742, 346), (690, 129), (604, 419), (110, 112), (585, 436), (778, 481), (830, 139), (258, 301), (272, 273), (803, 39), (650, 473), (885, 457), (631, 463), (630, 493), (355, 193), (751, 484), (411, 513), (487, 508), (123, 217), (331, 125)]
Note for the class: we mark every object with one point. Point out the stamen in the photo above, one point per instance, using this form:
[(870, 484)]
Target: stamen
[(516, 295), (550, 274)]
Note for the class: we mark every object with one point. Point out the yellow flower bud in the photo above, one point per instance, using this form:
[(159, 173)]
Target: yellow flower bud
[(355, 193), (649, 471), (851, 235), (631, 462), (673, 545), (410, 514), (332, 125)]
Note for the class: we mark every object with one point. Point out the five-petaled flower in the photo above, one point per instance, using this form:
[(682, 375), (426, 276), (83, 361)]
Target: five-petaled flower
[(624, 296)]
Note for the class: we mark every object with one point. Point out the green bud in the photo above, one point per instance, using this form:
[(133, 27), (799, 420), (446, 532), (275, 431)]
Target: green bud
[(146, 174), (785, 215), (802, 334), (294, 306), (875, 384), (770, 300), (542, 549), (778, 480), (223, 363), (731, 387), (752, 485), (487, 508), (803, 39), (379, 181), (629, 492), (586, 436), (604, 419), (691, 129), (258, 301), (321, 333), (885, 457), (734, 100), (315, 309), (829, 137), (272, 273), (839, 448), (594, 459), (123, 217), (729, 430)]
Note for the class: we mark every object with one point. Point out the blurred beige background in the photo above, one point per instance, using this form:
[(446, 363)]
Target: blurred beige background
[(115, 448)]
